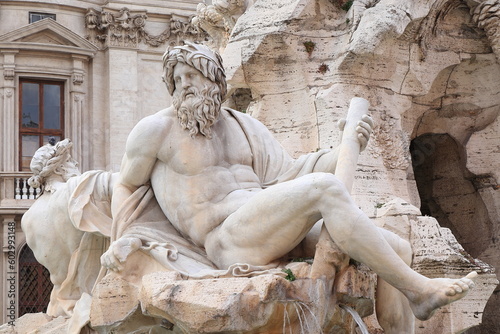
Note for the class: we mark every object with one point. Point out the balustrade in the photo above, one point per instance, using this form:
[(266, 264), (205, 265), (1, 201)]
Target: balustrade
[(14, 189), (23, 190)]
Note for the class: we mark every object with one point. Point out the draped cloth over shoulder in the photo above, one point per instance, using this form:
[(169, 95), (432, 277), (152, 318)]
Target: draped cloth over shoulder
[(271, 162)]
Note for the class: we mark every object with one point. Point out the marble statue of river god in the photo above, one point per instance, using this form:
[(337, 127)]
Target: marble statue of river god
[(205, 190), (225, 184)]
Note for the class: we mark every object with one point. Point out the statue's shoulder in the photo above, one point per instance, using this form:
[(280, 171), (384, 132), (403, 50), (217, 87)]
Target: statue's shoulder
[(147, 131), (155, 124)]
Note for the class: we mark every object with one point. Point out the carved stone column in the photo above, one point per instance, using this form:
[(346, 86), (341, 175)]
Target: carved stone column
[(78, 122), (8, 118)]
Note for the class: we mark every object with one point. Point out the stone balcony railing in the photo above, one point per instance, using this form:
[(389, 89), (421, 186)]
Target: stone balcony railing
[(16, 195)]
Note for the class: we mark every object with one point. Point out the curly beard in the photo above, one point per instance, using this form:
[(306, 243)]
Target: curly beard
[(198, 112)]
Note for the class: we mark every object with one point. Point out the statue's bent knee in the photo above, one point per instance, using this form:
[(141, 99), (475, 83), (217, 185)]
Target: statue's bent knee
[(327, 183)]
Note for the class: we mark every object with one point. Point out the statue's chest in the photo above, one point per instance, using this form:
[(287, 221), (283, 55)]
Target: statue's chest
[(191, 156)]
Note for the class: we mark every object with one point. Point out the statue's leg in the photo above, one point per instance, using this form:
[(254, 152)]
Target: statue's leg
[(276, 219), (269, 225), (362, 240), (393, 309)]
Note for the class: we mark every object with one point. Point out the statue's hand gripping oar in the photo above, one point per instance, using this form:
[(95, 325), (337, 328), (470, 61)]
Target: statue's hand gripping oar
[(346, 166)]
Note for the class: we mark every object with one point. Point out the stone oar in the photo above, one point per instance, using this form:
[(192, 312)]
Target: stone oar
[(349, 146), (328, 256)]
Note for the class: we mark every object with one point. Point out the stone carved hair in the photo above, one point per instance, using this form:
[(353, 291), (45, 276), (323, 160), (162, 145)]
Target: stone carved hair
[(200, 57), (52, 159)]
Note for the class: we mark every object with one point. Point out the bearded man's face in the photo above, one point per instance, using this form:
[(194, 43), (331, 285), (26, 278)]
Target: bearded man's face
[(196, 100)]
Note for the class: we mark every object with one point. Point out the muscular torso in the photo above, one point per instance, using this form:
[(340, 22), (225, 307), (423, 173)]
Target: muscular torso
[(198, 182)]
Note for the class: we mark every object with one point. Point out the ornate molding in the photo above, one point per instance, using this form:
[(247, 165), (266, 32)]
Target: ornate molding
[(8, 73), (78, 78), (124, 28), (9, 66), (487, 17), (219, 19)]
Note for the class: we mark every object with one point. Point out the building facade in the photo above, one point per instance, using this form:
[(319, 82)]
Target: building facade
[(72, 69)]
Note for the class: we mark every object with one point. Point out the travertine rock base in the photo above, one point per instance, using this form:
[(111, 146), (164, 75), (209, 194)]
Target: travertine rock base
[(436, 253), (34, 323), (169, 303), (261, 304)]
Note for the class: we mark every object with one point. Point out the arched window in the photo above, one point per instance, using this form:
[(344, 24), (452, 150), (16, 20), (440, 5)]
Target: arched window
[(34, 284)]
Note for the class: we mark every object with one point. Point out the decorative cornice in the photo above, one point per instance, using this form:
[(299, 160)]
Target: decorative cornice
[(125, 28), (53, 48)]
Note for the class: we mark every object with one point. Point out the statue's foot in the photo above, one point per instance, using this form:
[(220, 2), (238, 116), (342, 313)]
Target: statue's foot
[(440, 292)]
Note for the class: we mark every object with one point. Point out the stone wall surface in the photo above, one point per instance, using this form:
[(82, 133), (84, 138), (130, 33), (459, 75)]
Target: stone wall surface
[(426, 67)]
